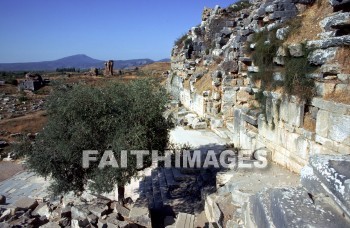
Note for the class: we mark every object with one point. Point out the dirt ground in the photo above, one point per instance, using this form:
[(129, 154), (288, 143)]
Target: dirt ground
[(9, 169)]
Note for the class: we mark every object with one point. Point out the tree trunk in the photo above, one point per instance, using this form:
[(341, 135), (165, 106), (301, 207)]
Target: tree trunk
[(121, 191)]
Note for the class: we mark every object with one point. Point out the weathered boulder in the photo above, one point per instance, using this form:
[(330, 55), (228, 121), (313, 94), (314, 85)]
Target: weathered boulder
[(330, 69), (334, 20), (327, 175), (42, 210), (79, 212), (25, 204), (112, 221), (292, 207), (321, 56), (120, 209), (199, 124), (329, 42), (229, 66), (99, 210), (282, 33), (296, 50), (336, 3)]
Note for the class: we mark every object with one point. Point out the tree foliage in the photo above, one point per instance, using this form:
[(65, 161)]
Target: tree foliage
[(121, 116)]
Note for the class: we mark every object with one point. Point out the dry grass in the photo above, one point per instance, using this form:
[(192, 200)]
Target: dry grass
[(203, 84), (343, 58), (311, 18), (159, 67), (30, 123), (339, 97), (309, 123)]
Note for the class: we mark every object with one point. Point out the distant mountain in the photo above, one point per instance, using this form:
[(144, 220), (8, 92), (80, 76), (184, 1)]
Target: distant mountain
[(77, 61), (166, 60)]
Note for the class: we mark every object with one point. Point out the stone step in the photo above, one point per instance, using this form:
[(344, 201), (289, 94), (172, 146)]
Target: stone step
[(329, 175), (230, 127), (163, 187), (171, 182), (157, 197), (293, 207), (179, 176), (184, 220)]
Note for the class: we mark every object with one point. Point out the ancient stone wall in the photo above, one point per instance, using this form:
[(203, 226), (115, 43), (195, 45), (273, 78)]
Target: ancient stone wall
[(214, 74)]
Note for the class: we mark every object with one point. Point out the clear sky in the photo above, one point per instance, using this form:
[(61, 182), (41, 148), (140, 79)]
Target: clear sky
[(38, 30)]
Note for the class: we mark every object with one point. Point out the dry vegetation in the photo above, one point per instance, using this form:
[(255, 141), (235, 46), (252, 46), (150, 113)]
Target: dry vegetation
[(203, 84), (311, 18), (33, 122), (343, 58), (30, 123)]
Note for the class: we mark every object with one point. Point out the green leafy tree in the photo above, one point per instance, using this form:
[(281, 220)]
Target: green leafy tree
[(121, 116)]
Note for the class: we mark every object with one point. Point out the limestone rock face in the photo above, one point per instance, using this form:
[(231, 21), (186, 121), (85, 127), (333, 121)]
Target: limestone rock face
[(338, 2)]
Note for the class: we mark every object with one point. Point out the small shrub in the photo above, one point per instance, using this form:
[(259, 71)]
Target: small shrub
[(296, 81), (265, 50), (243, 4)]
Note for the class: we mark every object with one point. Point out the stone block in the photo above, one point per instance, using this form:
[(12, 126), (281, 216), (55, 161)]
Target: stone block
[(185, 221), (25, 204), (42, 210), (198, 124), (229, 96), (296, 50), (327, 143), (139, 214), (296, 114), (212, 211), (329, 176), (329, 42), (322, 123), (331, 106), (79, 212), (216, 123), (321, 56), (339, 128)]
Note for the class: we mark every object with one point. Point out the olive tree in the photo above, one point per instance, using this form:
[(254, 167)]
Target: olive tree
[(121, 116)]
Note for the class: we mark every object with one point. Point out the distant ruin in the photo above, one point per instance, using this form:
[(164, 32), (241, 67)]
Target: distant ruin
[(32, 82), (109, 67)]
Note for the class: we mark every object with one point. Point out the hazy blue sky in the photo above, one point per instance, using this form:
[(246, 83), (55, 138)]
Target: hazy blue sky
[(36, 30)]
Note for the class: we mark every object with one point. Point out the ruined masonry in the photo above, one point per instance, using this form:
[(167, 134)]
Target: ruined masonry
[(212, 75)]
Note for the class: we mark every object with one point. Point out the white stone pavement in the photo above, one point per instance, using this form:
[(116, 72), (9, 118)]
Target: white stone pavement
[(24, 184)]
